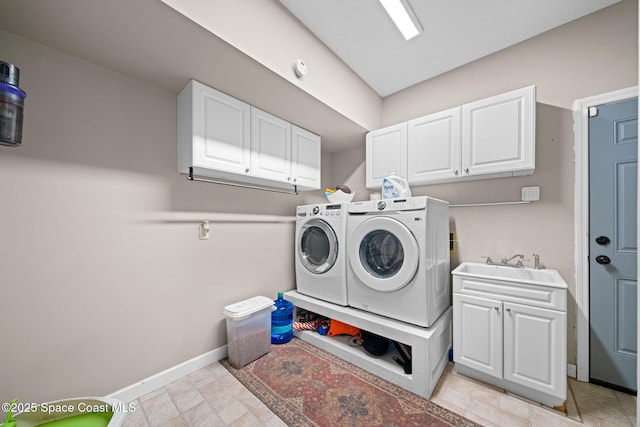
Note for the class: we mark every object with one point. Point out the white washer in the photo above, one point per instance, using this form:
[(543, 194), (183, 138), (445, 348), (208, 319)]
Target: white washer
[(398, 252), (321, 251)]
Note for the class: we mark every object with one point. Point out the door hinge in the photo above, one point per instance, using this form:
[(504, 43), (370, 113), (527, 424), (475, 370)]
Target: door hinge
[(593, 111)]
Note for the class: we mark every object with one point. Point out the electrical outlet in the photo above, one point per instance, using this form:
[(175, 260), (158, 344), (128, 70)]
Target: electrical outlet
[(530, 194), (204, 230)]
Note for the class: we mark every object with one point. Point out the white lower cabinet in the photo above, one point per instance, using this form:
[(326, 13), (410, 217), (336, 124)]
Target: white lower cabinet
[(515, 346)]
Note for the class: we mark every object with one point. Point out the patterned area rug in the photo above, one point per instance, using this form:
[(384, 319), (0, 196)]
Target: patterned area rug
[(306, 386)]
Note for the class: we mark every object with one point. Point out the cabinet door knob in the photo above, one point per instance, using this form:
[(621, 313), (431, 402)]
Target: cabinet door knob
[(466, 170), (496, 308), (246, 170), (508, 309), (455, 172)]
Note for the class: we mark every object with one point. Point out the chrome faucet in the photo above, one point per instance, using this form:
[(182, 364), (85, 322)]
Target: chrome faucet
[(505, 261)]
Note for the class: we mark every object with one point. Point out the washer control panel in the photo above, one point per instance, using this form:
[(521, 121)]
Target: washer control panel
[(320, 210), (407, 204)]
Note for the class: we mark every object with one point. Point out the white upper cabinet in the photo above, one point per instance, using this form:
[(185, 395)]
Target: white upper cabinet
[(434, 147), (224, 138), (386, 153), (215, 128), (270, 146), (498, 134), (490, 138), (305, 158)]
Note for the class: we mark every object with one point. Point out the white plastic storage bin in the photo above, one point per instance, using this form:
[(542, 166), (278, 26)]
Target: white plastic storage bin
[(248, 330)]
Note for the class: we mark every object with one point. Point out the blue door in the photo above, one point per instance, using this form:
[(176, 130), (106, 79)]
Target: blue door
[(613, 171)]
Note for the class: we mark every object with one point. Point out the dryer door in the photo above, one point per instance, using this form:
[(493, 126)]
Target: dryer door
[(317, 246), (384, 254)]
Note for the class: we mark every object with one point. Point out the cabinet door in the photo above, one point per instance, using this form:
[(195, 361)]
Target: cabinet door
[(477, 333), (306, 157), (498, 134), (270, 146), (433, 147), (221, 130), (535, 348), (386, 152)]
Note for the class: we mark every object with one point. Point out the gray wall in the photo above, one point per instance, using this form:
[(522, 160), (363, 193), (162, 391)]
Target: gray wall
[(590, 56), (104, 281)]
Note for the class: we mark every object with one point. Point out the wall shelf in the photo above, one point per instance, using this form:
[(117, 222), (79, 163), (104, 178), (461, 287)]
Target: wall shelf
[(430, 346)]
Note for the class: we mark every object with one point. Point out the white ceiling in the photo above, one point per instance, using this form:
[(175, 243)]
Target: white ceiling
[(456, 32)]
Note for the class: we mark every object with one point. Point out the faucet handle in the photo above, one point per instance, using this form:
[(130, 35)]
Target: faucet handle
[(536, 261), (489, 261)]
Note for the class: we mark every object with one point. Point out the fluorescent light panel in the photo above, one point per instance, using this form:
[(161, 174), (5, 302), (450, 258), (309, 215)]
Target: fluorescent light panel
[(401, 17)]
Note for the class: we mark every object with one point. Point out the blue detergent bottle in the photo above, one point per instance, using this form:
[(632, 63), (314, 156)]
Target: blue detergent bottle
[(281, 321)]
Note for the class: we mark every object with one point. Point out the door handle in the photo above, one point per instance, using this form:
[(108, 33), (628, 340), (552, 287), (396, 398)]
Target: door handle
[(602, 240), (603, 259)]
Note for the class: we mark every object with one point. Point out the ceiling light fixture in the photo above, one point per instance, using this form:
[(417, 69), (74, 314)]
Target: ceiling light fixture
[(404, 18)]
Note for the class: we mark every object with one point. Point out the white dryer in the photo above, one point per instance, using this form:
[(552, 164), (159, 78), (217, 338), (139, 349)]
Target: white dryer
[(320, 253), (398, 251)]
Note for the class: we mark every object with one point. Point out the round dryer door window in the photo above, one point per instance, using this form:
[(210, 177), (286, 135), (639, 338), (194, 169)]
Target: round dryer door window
[(384, 254), (318, 246)]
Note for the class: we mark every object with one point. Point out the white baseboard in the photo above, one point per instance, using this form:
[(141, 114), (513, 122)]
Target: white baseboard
[(167, 376), (572, 371)]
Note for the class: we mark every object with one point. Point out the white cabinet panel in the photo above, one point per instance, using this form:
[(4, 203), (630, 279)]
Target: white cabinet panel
[(214, 129), (434, 147), (386, 153), (498, 134), (477, 333), (535, 343), (305, 158), (270, 146)]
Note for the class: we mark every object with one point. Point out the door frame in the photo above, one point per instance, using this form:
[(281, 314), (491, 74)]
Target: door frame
[(581, 217)]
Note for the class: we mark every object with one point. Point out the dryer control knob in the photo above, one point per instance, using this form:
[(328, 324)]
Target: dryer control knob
[(316, 210), (381, 205)]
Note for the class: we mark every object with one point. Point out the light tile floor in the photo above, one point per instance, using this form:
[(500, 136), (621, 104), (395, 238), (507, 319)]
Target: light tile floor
[(212, 397)]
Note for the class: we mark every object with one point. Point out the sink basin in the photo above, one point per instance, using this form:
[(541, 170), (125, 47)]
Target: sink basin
[(543, 277)]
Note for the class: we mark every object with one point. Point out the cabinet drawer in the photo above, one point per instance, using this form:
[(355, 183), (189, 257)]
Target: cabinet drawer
[(535, 295)]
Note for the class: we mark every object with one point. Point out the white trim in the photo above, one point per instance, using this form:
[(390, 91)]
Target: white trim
[(167, 376), (581, 218), (571, 370)]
